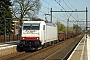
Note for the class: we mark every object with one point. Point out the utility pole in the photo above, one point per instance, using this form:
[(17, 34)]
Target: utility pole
[(4, 29), (67, 27), (86, 22), (51, 15)]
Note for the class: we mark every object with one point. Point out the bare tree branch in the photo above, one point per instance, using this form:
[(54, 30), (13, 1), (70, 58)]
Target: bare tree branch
[(23, 8)]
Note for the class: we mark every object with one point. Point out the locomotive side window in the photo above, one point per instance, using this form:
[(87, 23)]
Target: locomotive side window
[(29, 26)]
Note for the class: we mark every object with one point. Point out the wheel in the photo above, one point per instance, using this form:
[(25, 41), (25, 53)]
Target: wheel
[(45, 45), (19, 49)]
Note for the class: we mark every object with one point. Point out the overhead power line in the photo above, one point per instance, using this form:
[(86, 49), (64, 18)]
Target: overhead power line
[(52, 5), (54, 17), (73, 7), (49, 9), (67, 5), (70, 4), (61, 6), (65, 9)]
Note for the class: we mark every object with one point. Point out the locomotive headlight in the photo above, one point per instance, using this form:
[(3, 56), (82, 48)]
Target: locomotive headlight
[(23, 38), (37, 38)]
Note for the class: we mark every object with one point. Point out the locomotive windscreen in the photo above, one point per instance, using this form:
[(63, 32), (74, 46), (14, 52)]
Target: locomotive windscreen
[(31, 26)]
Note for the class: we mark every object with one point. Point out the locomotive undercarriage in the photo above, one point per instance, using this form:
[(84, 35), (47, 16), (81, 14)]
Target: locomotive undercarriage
[(28, 45)]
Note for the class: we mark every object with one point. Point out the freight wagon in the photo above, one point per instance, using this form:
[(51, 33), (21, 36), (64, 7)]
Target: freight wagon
[(62, 36), (36, 35)]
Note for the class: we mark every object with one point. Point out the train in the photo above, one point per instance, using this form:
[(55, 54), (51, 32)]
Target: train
[(63, 36), (39, 34), (36, 35)]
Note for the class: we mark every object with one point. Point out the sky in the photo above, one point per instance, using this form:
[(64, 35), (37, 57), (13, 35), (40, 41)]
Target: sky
[(65, 5)]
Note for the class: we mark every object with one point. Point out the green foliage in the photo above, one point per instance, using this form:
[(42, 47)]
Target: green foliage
[(70, 29), (5, 12), (77, 29), (88, 31), (61, 27)]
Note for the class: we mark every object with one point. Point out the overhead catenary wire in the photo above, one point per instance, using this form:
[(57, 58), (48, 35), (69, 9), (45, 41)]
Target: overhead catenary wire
[(73, 7), (52, 5), (54, 17), (67, 5), (58, 8), (61, 6), (70, 14), (65, 10), (69, 8), (70, 4)]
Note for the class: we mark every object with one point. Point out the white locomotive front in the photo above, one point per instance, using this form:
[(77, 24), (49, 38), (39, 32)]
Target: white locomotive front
[(37, 34)]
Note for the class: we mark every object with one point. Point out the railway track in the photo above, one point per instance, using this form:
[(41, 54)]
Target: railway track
[(59, 51)]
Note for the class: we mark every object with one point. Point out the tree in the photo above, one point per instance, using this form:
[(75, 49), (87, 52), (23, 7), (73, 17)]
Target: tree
[(5, 12), (58, 25), (25, 8), (77, 29), (61, 27), (70, 29)]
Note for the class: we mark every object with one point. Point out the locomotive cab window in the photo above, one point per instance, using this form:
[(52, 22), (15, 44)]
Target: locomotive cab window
[(35, 26), (29, 26), (26, 28)]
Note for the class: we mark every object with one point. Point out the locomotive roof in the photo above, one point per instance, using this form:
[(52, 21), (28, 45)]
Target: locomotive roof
[(36, 21), (47, 23)]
